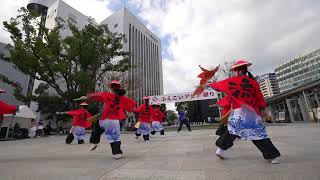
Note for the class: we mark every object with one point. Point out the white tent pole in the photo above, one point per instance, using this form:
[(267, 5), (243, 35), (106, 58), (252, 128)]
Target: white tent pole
[(8, 129)]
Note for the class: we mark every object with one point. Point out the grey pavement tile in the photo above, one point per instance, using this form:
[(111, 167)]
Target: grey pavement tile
[(174, 156)]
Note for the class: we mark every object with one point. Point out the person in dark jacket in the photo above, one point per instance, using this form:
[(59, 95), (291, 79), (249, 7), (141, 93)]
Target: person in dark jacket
[(183, 120)]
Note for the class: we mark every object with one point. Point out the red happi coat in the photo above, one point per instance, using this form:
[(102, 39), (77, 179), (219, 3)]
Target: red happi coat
[(240, 90), (114, 105), (80, 117), (145, 114), (225, 104), (158, 116)]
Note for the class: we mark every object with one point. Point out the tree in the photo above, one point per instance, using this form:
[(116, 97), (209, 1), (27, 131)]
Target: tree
[(171, 116), (189, 107), (163, 108), (68, 67), (225, 69)]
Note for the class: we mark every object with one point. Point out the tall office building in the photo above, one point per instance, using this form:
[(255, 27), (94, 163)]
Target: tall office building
[(268, 85), (298, 71), (145, 54), (144, 47), (8, 69)]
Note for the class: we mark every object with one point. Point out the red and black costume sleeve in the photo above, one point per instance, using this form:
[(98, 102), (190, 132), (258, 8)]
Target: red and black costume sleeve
[(240, 90), (114, 105), (80, 117), (159, 116), (146, 112)]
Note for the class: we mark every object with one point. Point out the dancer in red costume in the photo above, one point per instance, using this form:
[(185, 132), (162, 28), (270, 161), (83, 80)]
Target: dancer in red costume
[(116, 104), (157, 121), (79, 123), (146, 112), (245, 104)]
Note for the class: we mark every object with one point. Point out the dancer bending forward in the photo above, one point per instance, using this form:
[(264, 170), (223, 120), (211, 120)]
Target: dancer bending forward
[(79, 123), (246, 107)]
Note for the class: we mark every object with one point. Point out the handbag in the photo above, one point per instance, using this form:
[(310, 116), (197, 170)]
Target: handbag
[(138, 124)]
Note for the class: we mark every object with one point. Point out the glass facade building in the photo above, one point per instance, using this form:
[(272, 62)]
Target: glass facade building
[(298, 71)]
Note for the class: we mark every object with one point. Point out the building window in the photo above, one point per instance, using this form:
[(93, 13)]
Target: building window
[(115, 26)]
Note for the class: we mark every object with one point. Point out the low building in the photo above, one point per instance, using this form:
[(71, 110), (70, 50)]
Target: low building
[(204, 111), (300, 104)]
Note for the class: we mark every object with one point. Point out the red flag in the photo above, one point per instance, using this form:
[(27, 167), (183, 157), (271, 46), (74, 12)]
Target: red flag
[(204, 76), (7, 108)]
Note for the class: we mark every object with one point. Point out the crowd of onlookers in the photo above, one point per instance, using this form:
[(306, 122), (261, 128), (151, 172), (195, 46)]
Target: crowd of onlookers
[(36, 129)]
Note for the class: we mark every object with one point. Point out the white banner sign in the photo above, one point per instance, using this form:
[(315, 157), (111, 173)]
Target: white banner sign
[(172, 98)]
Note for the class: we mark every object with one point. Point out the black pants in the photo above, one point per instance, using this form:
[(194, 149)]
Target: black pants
[(268, 150), (145, 137), (186, 123), (96, 133), (121, 125), (154, 132), (222, 129), (116, 147)]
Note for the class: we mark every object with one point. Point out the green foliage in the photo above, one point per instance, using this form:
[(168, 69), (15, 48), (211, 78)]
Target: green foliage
[(188, 106), (163, 108), (17, 88), (70, 66), (171, 116)]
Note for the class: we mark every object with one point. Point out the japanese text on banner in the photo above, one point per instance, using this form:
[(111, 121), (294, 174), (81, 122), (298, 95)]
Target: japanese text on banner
[(188, 96)]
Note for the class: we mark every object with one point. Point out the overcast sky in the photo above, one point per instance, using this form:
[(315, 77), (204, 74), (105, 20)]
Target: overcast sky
[(210, 32)]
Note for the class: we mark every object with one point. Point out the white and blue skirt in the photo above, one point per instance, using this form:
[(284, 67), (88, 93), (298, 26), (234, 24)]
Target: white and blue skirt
[(144, 128), (247, 124), (157, 126), (112, 129), (79, 132)]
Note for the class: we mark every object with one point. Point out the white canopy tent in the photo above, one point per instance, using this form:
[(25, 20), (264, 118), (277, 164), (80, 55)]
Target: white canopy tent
[(24, 112), (23, 117)]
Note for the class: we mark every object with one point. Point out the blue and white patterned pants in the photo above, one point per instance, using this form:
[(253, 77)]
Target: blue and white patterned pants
[(79, 132), (144, 128), (112, 129)]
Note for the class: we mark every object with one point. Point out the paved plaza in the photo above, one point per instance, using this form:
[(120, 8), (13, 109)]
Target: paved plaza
[(176, 156)]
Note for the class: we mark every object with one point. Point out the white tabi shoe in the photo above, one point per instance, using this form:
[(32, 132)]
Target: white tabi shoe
[(220, 153), (117, 156), (274, 161)]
